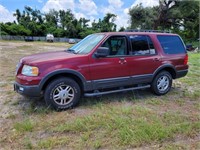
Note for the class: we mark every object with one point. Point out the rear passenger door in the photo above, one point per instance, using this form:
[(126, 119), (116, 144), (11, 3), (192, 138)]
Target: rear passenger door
[(145, 59)]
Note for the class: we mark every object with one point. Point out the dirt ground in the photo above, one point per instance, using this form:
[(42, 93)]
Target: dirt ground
[(15, 108), (10, 54)]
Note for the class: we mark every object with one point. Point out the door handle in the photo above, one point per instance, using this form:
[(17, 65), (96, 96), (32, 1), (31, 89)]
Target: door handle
[(122, 58), (122, 61), (156, 59)]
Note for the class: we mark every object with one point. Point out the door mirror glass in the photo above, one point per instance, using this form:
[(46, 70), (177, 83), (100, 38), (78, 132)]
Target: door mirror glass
[(102, 52)]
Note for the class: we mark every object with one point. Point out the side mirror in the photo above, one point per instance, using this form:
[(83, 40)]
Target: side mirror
[(102, 52), (189, 47)]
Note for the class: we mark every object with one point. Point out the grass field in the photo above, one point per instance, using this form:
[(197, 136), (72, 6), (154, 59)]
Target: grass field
[(136, 119)]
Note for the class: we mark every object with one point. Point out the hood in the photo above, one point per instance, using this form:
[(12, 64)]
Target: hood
[(47, 57)]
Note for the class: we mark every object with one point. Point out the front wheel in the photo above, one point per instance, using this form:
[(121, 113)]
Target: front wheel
[(162, 83), (62, 93)]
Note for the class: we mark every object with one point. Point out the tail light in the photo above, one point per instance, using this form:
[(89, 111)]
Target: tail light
[(186, 59)]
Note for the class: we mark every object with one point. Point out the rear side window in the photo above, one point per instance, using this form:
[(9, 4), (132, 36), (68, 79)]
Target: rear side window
[(142, 45), (171, 44)]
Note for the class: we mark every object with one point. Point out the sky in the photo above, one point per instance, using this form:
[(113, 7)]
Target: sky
[(90, 9)]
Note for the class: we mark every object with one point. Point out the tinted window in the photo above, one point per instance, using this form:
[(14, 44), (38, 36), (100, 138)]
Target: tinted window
[(116, 45), (171, 44), (142, 45)]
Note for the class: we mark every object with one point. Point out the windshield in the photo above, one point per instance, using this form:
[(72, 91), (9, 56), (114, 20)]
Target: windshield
[(87, 44)]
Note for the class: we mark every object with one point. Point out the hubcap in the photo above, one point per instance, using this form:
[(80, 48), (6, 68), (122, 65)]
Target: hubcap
[(63, 94), (163, 83)]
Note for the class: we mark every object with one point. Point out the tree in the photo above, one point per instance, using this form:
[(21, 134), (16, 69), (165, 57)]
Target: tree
[(30, 19), (176, 16), (165, 18), (142, 18), (96, 26), (51, 18), (85, 33), (122, 29), (107, 24), (190, 19), (84, 22), (17, 14), (58, 32)]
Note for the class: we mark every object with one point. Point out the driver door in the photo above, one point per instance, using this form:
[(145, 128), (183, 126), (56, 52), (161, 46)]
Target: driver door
[(111, 71)]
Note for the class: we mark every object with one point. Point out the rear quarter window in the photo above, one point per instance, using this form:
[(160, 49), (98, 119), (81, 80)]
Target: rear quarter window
[(171, 44)]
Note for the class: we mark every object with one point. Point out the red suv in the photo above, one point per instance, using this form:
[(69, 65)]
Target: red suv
[(103, 63)]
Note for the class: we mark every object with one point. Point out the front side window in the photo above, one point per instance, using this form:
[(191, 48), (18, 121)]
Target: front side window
[(117, 45), (87, 44), (142, 45), (171, 44)]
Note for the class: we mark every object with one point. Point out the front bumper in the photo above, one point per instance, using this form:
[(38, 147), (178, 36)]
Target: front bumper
[(30, 91)]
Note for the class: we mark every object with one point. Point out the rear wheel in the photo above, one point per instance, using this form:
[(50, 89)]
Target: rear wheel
[(162, 83), (62, 93)]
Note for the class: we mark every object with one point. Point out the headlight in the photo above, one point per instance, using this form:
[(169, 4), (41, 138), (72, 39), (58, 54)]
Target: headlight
[(30, 70)]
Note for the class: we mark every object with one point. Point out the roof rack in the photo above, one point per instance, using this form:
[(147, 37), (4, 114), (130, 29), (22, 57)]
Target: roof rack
[(136, 30)]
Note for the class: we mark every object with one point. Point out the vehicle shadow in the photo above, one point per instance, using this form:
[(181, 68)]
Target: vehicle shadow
[(38, 105), (33, 105), (129, 96)]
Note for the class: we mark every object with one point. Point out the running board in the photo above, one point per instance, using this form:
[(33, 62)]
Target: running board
[(115, 91)]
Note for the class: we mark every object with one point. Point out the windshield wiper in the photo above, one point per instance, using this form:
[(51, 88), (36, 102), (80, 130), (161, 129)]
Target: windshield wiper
[(71, 51)]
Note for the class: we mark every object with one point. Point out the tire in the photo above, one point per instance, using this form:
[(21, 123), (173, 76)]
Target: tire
[(62, 93), (162, 83)]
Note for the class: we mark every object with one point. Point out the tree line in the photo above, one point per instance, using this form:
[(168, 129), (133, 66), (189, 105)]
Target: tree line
[(177, 16), (31, 22)]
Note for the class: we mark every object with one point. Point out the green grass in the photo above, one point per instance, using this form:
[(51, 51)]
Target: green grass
[(33, 108), (155, 102), (27, 143), (24, 126), (133, 126), (192, 78), (25, 47), (51, 142), (197, 105)]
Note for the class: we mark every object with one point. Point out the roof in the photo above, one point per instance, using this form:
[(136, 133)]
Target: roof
[(138, 33)]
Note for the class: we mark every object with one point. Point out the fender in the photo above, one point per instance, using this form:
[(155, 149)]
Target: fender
[(163, 67), (64, 71)]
